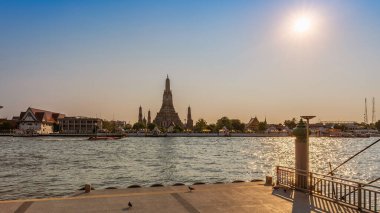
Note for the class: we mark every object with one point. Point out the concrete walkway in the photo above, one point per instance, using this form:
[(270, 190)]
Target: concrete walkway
[(234, 197)]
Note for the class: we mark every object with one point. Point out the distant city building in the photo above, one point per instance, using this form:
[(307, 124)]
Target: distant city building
[(37, 121), (278, 129), (189, 122), (119, 124), (167, 115), (253, 124), (79, 125)]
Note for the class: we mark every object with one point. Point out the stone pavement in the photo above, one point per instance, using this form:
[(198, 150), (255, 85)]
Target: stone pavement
[(233, 197)]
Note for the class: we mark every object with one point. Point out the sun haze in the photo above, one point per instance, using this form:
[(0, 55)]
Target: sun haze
[(239, 59), (302, 24)]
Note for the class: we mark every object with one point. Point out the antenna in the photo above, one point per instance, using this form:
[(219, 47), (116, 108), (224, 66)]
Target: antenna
[(373, 110), (365, 111)]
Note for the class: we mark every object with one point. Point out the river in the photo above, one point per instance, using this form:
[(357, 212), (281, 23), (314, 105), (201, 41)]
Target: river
[(52, 167)]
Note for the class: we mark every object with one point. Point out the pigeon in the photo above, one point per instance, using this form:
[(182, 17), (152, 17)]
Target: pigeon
[(190, 188), (130, 204)]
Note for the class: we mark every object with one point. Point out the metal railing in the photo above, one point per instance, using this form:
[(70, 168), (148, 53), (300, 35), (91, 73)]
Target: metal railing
[(364, 197)]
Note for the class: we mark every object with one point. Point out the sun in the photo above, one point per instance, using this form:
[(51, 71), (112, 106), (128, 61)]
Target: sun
[(302, 24)]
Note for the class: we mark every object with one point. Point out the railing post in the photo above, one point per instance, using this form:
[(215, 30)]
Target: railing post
[(360, 197), (277, 175), (310, 183)]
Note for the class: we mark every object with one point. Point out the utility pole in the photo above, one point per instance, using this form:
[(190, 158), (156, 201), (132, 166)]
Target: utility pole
[(365, 111), (373, 110)]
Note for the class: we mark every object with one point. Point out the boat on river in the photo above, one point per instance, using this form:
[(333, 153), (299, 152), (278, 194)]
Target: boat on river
[(100, 138)]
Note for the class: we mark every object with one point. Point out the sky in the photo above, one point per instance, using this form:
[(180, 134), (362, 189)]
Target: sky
[(238, 58)]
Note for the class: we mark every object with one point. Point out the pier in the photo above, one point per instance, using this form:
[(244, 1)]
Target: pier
[(231, 197)]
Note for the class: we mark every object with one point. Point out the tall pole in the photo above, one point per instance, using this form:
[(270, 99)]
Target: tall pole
[(365, 111), (307, 118), (373, 111), (302, 153)]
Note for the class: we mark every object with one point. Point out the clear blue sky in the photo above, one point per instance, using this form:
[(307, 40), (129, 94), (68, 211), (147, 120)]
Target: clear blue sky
[(235, 58)]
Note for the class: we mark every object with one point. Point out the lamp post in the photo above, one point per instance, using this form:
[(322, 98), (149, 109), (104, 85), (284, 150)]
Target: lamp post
[(307, 118), (302, 153)]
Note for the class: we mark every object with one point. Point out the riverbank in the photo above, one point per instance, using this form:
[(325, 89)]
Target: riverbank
[(172, 135), (151, 135), (234, 197)]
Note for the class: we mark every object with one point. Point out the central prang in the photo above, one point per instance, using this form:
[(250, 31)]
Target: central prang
[(167, 116)]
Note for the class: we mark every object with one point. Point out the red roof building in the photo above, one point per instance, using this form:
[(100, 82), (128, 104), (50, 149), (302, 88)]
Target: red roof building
[(37, 121)]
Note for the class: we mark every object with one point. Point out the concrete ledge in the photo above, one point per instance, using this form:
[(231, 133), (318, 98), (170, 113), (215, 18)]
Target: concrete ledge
[(242, 197)]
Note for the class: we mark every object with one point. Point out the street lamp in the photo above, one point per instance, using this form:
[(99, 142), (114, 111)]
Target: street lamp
[(307, 118)]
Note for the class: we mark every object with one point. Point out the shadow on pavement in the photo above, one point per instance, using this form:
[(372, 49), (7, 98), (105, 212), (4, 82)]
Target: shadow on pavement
[(303, 202)]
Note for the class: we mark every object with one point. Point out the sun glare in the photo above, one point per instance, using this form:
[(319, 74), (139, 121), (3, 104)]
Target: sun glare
[(302, 24)]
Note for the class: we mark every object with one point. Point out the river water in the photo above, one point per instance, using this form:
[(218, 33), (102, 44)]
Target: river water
[(51, 166)]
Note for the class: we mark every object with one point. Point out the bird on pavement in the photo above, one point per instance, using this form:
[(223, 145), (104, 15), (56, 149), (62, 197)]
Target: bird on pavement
[(130, 204), (190, 188)]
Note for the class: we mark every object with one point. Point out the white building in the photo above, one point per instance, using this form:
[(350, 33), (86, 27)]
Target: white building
[(79, 125), (37, 121)]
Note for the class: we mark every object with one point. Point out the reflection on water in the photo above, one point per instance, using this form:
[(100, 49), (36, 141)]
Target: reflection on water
[(41, 167)]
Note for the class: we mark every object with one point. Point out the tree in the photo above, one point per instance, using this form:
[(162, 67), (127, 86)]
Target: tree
[(377, 125), (224, 122), (291, 124), (128, 127), (364, 125), (6, 125), (138, 126), (237, 125), (340, 127), (263, 126), (151, 126), (212, 128), (109, 126), (178, 129), (200, 125)]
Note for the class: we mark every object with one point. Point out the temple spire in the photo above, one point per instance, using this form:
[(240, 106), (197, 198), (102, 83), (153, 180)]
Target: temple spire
[(140, 115), (167, 85), (149, 118), (189, 124), (167, 114)]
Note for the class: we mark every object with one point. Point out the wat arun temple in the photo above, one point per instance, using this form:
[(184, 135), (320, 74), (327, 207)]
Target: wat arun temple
[(167, 116)]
